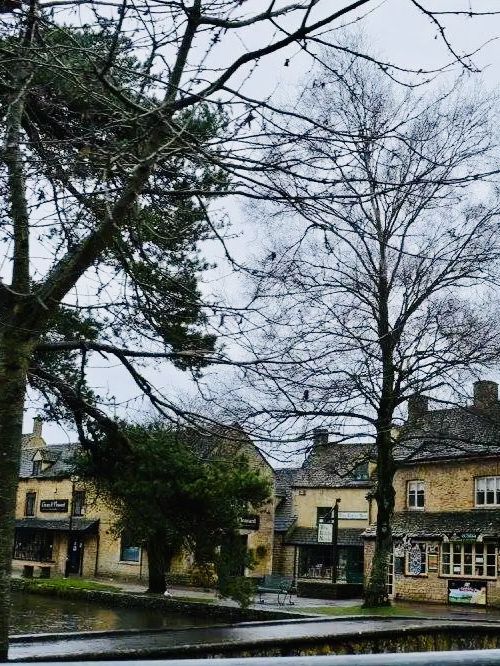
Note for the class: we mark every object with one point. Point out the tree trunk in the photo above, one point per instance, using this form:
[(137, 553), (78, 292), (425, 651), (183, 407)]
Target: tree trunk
[(14, 359), (157, 563), (376, 589)]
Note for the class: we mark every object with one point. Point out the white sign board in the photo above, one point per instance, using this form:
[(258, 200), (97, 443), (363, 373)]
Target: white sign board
[(325, 531), (353, 515)]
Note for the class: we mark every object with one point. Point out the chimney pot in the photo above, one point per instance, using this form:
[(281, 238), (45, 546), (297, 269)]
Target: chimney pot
[(320, 437), (418, 405), (485, 394), (37, 426)]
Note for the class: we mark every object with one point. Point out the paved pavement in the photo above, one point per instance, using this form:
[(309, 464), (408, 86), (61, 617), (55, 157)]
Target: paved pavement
[(148, 644)]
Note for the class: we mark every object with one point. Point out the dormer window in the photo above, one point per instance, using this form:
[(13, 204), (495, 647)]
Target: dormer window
[(37, 467), (416, 495)]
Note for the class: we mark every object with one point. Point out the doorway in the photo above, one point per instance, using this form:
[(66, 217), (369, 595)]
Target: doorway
[(75, 554)]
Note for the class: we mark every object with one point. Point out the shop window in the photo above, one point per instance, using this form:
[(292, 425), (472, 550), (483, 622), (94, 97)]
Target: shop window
[(35, 545), (416, 560), (79, 503), (488, 491), (416, 495), (29, 504), (37, 467), (128, 551), (468, 559)]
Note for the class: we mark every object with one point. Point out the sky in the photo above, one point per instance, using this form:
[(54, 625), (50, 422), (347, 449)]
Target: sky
[(400, 35)]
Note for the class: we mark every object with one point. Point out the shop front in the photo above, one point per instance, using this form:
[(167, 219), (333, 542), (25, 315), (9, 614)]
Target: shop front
[(50, 547), (315, 570)]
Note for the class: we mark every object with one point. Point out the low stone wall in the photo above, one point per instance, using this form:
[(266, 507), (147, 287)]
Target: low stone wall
[(316, 590), (128, 600)]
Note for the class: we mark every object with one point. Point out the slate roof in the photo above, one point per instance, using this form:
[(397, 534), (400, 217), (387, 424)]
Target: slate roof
[(439, 524), (456, 433), (58, 525), (334, 466), (309, 536), (61, 455), (284, 481)]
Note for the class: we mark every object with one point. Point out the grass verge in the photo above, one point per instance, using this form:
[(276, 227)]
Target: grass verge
[(67, 583)]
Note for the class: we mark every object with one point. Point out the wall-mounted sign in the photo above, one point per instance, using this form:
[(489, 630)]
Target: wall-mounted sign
[(325, 532), (54, 506), (467, 592), (353, 515), (250, 523)]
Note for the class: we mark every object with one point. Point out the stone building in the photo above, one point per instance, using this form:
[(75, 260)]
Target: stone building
[(60, 526), (305, 497), (447, 515)]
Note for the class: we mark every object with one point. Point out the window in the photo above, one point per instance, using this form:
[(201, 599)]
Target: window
[(37, 467), (360, 472), (128, 551), (416, 560), (416, 494), (488, 491), (468, 559), (324, 514), (79, 503), (29, 505), (33, 545)]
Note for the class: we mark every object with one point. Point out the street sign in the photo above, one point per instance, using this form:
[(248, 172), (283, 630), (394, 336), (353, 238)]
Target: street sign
[(325, 532)]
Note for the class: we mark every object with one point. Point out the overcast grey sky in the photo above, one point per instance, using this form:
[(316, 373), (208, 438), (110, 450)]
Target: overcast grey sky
[(399, 34)]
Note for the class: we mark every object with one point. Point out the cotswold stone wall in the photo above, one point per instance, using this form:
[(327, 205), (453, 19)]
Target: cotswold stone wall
[(449, 486)]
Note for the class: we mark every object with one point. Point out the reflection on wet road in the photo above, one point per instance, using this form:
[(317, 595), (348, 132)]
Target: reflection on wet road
[(165, 642)]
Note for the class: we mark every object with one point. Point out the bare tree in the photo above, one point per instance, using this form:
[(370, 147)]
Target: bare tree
[(381, 283)]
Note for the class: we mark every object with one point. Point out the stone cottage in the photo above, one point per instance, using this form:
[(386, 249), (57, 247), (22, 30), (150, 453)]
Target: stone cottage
[(447, 516)]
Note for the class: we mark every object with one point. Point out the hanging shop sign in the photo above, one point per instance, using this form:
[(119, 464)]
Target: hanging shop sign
[(250, 523), (54, 506), (325, 532), (471, 592)]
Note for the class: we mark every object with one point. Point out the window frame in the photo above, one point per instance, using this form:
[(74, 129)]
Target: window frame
[(32, 496), (37, 468), (492, 480), (126, 543), (415, 483), (469, 556), (80, 505)]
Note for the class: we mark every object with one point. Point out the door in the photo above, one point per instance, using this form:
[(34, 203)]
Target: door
[(75, 555)]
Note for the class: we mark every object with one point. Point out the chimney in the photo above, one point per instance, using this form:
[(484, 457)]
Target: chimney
[(485, 394), (37, 426), (320, 437), (418, 405)]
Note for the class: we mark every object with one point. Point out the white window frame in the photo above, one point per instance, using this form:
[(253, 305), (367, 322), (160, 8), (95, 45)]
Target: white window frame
[(489, 486), (468, 560), (413, 488)]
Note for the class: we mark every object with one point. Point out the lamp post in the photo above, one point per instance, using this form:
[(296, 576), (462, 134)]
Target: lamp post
[(335, 538)]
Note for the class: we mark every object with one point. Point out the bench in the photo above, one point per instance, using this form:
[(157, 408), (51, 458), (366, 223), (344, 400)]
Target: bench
[(282, 586)]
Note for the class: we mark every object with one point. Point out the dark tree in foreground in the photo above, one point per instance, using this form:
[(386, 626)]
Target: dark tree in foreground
[(382, 288), (173, 491), (121, 122)]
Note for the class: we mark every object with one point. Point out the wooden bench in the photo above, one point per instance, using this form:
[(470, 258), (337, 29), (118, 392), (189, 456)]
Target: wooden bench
[(282, 586)]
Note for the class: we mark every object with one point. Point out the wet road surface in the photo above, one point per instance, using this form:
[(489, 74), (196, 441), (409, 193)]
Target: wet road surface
[(172, 642)]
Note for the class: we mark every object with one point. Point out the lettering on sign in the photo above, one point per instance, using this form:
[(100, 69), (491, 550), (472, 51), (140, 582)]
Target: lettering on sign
[(54, 506), (325, 532), (353, 515), (250, 523)]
